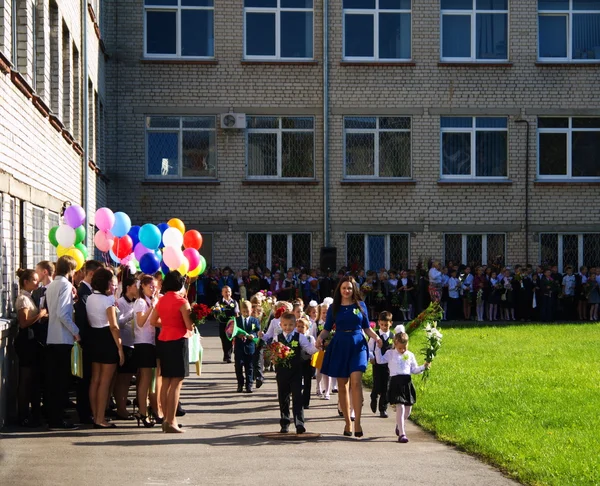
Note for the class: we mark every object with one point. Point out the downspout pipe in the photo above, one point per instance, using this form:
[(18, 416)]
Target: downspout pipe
[(325, 123), (84, 115), (522, 120)]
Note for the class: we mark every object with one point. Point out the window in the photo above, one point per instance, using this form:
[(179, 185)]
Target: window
[(474, 30), (279, 251), (280, 147), (38, 234), (376, 251), (377, 30), (377, 147), (54, 220), (278, 29), (475, 249), (568, 148), (179, 28), (178, 147), (474, 147), (569, 30), (570, 249)]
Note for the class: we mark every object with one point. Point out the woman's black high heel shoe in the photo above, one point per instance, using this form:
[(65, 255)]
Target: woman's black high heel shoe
[(358, 434), (144, 419)]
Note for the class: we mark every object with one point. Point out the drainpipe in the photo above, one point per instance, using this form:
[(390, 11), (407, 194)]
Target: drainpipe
[(84, 115), (325, 123), (521, 120)]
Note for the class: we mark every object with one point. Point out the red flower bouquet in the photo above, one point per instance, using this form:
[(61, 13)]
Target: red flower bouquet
[(279, 354), (199, 313)]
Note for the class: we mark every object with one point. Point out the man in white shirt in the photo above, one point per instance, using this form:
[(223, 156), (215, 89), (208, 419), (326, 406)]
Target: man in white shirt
[(62, 332)]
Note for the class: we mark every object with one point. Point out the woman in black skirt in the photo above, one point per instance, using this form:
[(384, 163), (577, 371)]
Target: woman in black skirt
[(105, 342), (402, 364), (172, 315)]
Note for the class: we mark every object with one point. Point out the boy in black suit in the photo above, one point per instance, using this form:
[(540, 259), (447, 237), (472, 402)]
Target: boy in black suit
[(244, 347), (289, 378)]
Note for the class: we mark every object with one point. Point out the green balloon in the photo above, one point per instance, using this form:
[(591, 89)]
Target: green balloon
[(79, 234), (52, 236), (82, 248), (202, 265)]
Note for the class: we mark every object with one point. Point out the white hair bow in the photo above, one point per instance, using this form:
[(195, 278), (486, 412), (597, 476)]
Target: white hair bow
[(399, 329), (327, 301), (313, 303)]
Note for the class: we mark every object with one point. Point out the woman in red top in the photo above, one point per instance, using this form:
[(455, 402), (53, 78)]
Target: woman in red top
[(172, 315)]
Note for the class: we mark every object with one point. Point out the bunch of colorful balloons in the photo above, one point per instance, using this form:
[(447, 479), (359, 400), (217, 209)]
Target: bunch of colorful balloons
[(68, 237), (140, 247)]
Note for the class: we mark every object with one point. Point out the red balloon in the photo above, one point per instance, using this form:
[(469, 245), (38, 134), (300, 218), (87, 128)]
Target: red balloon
[(123, 246), (192, 239)]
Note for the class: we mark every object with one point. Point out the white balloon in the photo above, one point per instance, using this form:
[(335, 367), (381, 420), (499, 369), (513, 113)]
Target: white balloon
[(172, 237), (65, 235), (173, 257)]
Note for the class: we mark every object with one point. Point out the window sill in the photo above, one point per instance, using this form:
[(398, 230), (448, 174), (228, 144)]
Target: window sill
[(593, 64), (379, 63), (593, 181), (150, 60), (278, 62), (501, 64), (463, 182), (5, 64), (280, 182), (181, 182), (21, 84), (382, 181)]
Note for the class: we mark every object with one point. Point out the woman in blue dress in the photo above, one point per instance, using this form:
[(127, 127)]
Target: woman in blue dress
[(346, 354)]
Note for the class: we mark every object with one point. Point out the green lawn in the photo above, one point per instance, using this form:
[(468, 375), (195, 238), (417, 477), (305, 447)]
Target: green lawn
[(525, 398)]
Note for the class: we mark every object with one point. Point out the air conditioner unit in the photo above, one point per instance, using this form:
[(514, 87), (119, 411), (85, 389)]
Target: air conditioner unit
[(233, 120)]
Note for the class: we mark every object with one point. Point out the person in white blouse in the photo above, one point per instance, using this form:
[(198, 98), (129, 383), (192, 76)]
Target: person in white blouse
[(402, 364), (144, 353), (105, 339)]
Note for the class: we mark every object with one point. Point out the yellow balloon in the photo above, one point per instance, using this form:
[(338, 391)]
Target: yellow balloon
[(184, 267), (195, 272), (61, 250), (77, 255), (177, 223)]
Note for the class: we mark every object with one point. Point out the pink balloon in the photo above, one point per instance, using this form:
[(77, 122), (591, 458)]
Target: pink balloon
[(139, 251), (173, 257), (105, 219), (127, 259), (193, 257), (104, 241)]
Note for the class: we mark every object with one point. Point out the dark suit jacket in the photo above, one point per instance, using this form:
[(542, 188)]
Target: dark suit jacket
[(252, 327), (81, 320)]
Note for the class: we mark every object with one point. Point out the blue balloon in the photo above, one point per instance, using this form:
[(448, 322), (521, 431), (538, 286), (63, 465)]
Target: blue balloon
[(133, 234), (122, 225), (149, 264), (162, 227), (114, 257), (164, 268), (150, 236)]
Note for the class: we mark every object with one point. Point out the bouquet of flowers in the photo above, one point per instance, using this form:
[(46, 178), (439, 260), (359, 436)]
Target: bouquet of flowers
[(380, 297), (433, 313), (199, 313), (279, 354), (253, 284), (480, 296), (396, 300), (405, 307), (432, 345), (219, 310), (366, 288), (588, 288)]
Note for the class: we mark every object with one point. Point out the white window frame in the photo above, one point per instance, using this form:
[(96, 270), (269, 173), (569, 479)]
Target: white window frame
[(278, 10), (53, 219), (569, 132), (279, 132), (375, 12), (569, 14), (560, 248), (179, 131), (473, 14), (473, 133), (41, 241), (387, 246), (175, 8), (376, 132), (484, 249), (269, 247)]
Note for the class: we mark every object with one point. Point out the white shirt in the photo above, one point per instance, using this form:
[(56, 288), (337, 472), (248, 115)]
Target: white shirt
[(306, 344), (145, 334), (372, 344), (435, 276), (59, 300), (273, 331), (453, 288), (399, 364), (126, 321), (96, 305), (569, 284), (24, 301)]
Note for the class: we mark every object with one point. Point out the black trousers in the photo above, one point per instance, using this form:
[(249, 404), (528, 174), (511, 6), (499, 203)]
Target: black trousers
[(289, 384), (84, 410), (307, 374), (244, 364), (58, 378), (381, 376), (258, 360), (225, 342)]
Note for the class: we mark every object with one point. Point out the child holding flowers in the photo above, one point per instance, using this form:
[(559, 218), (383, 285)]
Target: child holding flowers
[(381, 373), (402, 364)]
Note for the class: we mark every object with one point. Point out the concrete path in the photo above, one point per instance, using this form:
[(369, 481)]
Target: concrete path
[(221, 446)]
